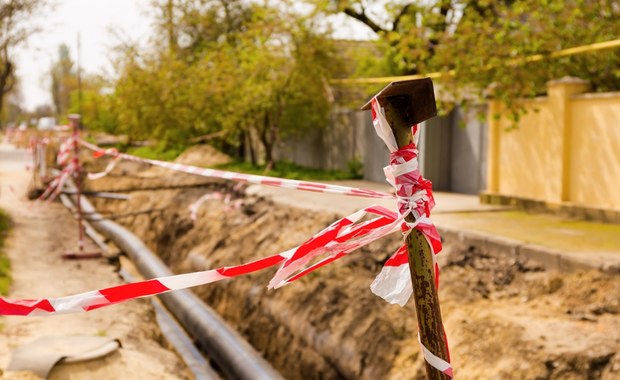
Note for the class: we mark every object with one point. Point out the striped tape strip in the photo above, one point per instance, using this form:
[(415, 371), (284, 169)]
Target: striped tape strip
[(337, 240), (247, 178), (414, 196)]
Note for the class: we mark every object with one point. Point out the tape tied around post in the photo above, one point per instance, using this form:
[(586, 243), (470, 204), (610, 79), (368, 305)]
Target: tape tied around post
[(415, 197), (413, 193)]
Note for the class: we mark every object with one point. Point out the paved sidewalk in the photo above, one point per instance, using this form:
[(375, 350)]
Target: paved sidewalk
[(557, 242), (345, 205)]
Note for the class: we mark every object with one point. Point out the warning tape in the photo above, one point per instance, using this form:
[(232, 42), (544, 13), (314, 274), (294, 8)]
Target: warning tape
[(239, 177), (414, 197), (227, 199), (337, 240), (70, 167)]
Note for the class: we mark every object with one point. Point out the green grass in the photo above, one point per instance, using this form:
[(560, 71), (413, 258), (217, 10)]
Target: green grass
[(5, 264), (286, 169), (282, 169), (156, 152)]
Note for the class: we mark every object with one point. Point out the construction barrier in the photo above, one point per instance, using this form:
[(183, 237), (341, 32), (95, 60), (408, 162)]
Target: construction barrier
[(413, 195)]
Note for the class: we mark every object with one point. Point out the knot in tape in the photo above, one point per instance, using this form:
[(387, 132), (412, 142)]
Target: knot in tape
[(413, 192)]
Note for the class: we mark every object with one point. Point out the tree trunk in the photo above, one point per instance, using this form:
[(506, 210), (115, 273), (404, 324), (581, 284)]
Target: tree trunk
[(5, 78), (267, 138)]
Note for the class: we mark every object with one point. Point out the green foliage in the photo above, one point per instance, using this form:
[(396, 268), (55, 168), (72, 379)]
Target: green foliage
[(491, 47), (159, 152), (94, 105), (5, 264), (64, 81), (286, 169), (356, 168), (485, 42), (240, 67), (162, 98)]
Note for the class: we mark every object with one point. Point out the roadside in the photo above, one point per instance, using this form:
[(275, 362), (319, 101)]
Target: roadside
[(558, 242), (41, 233), (506, 317)]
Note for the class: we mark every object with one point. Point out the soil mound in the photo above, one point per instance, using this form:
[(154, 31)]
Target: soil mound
[(202, 155)]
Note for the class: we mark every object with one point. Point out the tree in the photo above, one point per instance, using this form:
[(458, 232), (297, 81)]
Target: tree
[(63, 80), (15, 28), (233, 66), (159, 95), (11, 109), (484, 42), (95, 105), (283, 67)]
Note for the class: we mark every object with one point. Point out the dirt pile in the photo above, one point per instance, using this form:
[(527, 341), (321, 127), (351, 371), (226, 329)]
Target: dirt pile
[(505, 318), (203, 156)]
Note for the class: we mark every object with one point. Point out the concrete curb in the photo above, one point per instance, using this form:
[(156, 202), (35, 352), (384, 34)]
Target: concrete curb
[(494, 245), (571, 210)]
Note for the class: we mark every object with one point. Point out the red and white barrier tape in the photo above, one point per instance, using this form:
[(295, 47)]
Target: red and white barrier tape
[(241, 177), (340, 238), (65, 151), (414, 196), (227, 199), (106, 171), (70, 166)]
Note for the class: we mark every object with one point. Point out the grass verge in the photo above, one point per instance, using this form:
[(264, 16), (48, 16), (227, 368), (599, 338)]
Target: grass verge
[(282, 169), (5, 264), (286, 169), (156, 153)]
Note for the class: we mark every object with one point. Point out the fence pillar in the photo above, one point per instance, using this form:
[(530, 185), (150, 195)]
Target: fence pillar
[(560, 92), (493, 155)]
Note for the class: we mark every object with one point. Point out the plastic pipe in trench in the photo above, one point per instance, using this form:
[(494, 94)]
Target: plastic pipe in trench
[(236, 358)]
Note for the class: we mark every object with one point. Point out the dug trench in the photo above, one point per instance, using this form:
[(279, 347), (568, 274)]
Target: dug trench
[(505, 318)]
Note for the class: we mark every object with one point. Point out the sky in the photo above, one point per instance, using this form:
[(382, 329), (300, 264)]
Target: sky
[(99, 24), (94, 20)]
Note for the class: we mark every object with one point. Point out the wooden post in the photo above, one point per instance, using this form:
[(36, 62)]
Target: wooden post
[(80, 254), (407, 103), (75, 123), (421, 264)]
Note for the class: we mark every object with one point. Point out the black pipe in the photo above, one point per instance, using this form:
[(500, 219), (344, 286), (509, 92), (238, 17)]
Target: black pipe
[(236, 358), (175, 335)]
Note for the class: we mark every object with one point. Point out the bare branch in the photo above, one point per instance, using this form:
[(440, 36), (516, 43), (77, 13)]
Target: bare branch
[(400, 15), (363, 17)]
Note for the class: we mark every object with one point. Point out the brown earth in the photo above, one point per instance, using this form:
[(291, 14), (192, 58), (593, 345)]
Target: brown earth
[(506, 319), (202, 155), (41, 233)]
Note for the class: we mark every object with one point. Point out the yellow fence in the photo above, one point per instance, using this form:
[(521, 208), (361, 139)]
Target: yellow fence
[(564, 151)]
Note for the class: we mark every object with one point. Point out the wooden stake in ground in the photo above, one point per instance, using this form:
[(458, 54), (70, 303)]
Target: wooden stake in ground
[(407, 103), (75, 125), (74, 120)]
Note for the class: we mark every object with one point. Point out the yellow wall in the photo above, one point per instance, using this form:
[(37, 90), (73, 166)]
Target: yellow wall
[(595, 174), (527, 155), (566, 149)]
